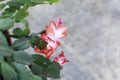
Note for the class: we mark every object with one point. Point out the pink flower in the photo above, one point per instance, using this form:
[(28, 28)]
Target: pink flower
[(51, 46), (51, 43), (59, 22), (55, 31), (47, 52), (61, 58)]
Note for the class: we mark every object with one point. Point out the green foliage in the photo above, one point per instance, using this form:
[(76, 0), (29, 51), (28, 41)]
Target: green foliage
[(24, 1), (14, 3), (54, 70), (8, 72), (36, 78), (11, 10), (3, 39), (42, 44), (40, 66), (1, 0), (1, 59), (6, 51), (2, 5), (15, 63), (22, 70), (44, 1), (42, 61), (21, 14), (44, 67), (52, 1), (22, 57), (17, 32), (21, 44), (6, 23), (8, 12), (25, 23), (36, 41), (37, 69)]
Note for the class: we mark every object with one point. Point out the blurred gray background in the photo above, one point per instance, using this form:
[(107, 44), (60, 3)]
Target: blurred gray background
[(93, 42)]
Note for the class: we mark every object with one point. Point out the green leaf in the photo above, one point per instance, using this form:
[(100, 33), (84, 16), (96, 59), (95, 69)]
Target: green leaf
[(6, 23), (25, 23), (34, 39), (3, 39), (6, 51), (1, 0), (36, 78), (8, 72), (17, 32), (44, 1), (22, 70), (52, 1), (9, 12), (2, 5), (24, 1), (6, 48), (21, 14), (14, 3), (21, 33), (54, 70), (37, 1), (37, 69), (26, 31), (42, 44), (23, 57), (21, 44), (49, 69), (42, 61), (1, 59)]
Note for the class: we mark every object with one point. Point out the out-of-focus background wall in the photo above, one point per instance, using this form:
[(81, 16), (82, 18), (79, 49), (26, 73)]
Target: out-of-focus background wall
[(93, 42)]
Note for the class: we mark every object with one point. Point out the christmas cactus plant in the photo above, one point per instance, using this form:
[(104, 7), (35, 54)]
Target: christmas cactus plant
[(15, 62)]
